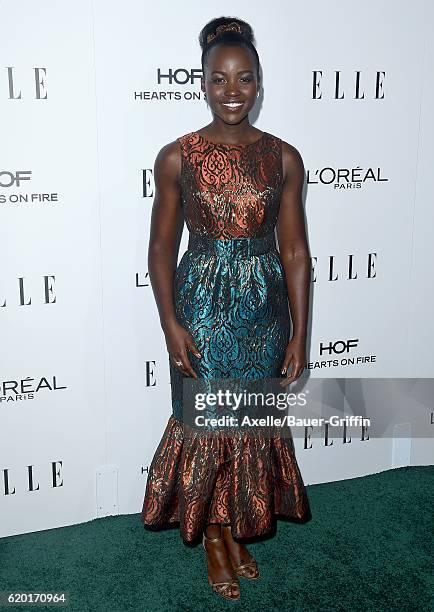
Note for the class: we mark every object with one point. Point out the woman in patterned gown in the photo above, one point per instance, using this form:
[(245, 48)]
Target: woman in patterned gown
[(224, 310)]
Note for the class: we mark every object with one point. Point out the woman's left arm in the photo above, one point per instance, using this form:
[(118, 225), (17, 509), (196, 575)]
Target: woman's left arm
[(294, 253)]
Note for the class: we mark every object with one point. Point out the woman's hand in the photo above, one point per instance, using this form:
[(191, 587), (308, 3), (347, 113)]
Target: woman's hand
[(296, 356), (178, 342)]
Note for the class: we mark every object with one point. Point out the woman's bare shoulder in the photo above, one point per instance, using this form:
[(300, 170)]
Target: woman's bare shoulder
[(292, 160), (168, 158), (170, 151), (289, 151)]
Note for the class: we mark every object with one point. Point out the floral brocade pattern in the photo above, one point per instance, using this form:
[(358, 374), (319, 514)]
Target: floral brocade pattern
[(244, 481), (230, 293), (230, 191)]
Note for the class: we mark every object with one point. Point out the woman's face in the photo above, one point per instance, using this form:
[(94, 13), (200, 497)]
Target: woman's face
[(230, 77)]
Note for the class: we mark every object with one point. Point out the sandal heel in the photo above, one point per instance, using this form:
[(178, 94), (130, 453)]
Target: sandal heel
[(240, 570)]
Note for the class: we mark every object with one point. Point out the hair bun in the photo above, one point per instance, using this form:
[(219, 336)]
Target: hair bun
[(225, 27)]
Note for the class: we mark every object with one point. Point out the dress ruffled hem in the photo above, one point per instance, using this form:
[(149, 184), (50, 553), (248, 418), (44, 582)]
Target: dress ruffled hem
[(243, 480)]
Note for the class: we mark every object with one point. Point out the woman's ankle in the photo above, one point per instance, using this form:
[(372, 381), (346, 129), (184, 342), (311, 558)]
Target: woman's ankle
[(213, 530)]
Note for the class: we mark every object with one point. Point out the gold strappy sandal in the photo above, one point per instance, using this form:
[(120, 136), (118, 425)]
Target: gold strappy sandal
[(221, 588), (249, 569)]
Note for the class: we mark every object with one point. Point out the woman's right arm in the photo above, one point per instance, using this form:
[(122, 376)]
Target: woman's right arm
[(162, 252)]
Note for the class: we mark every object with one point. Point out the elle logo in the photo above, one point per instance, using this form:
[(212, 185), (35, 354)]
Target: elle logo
[(55, 479), (376, 82), (38, 84), (47, 289)]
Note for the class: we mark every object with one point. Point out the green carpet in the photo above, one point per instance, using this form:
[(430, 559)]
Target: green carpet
[(367, 548)]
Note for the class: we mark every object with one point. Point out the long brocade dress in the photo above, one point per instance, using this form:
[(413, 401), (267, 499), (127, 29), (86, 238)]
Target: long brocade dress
[(230, 293)]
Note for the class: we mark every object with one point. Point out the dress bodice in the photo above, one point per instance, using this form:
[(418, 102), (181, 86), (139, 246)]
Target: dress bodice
[(231, 191)]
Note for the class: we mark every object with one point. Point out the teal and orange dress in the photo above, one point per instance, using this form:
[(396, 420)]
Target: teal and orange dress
[(230, 293)]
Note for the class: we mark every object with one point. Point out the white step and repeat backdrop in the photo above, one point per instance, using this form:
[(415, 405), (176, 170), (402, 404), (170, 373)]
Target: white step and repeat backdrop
[(89, 92)]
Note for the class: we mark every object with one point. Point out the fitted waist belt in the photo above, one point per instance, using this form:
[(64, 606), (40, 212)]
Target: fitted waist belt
[(248, 245)]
